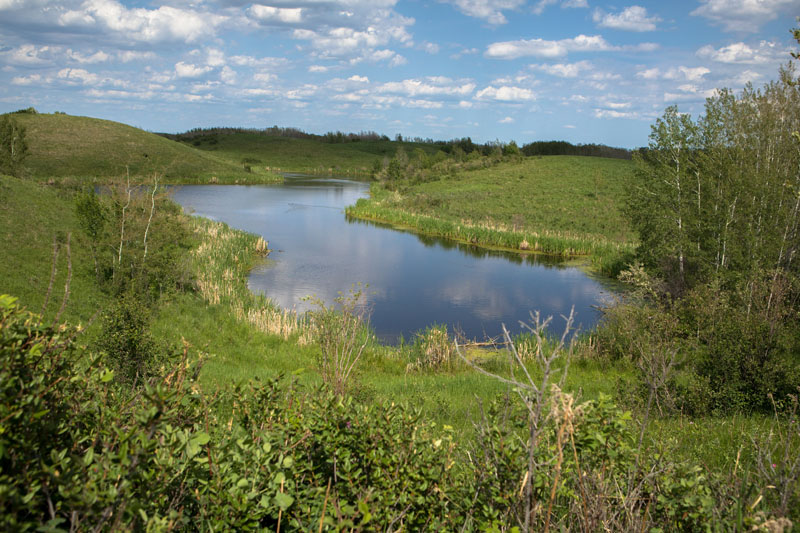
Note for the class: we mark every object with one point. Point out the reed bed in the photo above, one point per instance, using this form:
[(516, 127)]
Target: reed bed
[(222, 262)]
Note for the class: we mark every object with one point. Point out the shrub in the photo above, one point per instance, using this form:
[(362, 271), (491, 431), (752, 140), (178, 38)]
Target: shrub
[(432, 349), (342, 335), (126, 340)]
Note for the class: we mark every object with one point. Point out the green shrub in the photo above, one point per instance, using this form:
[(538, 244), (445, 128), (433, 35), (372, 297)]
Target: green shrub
[(126, 340)]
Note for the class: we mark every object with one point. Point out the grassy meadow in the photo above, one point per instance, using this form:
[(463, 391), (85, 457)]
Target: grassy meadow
[(562, 205)]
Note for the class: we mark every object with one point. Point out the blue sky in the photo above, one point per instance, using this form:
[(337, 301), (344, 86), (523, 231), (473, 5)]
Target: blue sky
[(578, 70)]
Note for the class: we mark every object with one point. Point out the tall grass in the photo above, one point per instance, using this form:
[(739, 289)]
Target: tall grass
[(222, 262)]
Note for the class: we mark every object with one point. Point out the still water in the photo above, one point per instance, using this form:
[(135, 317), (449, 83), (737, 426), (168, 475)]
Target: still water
[(413, 281)]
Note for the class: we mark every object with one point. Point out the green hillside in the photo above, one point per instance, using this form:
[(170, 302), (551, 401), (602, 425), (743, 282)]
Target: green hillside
[(566, 205), (301, 155), (32, 216), (64, 146)]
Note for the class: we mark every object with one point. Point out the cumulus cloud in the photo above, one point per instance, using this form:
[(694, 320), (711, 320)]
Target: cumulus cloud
[(139, 24), (741, 53), (188, 70), (30, 55), (743, 15), (126, 56), (506, 93), (33, 79), (564, 70), (685, 73), (506, 120), (553, 49), (633, 18), (276, 14), (97, 57), (489, 10), (78, 75), (431, 86)]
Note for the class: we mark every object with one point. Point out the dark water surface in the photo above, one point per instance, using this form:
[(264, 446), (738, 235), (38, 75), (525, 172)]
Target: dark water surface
[(414, 281)]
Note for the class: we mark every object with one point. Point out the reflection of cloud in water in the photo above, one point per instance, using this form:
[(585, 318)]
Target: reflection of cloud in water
[(413, 282)]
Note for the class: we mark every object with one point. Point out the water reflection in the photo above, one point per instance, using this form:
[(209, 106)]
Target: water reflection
[(414, 280)]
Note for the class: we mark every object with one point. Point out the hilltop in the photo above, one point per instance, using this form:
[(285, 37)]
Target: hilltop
[(65, 146), (300, 152)]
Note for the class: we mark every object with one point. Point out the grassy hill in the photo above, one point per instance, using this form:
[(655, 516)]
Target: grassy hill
[(300, 155), (64, 146), (566, 205), (32, 215)]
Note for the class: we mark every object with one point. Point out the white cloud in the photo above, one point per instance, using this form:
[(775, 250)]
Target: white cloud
[(266, 62), (214, 57), (506, 93), (553, 49), (741, 53), (318, 68), (743, 15), (612, 113), (228, 75), (633, 18), (431, 48), (33, 79), (139, 24), (359, 79), (431, 86), (97, 57), (30, 55), (542, 4), (506, 120), (303, 92), (489, 10), (464, 104), (679, 73), (689, 92), (649, 74), (349, 42), (276, 14), (127, 56), (564, 70), (78, 75), (264, 77), (187, 70)]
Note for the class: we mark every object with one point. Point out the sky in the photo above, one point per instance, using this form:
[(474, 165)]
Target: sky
[(583, 71)]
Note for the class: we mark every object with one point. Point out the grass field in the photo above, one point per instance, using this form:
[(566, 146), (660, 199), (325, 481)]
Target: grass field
[(302, 155), (566, 205), (32, 216), (241, 339), (69, 148)]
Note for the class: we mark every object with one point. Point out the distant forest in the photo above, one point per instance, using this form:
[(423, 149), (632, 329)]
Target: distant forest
[(466, 144)]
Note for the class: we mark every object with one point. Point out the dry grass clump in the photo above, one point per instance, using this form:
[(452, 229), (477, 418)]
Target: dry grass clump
[(222, 262), (434, 350)]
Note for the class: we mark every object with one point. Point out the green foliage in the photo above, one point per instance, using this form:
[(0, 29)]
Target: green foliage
[(139, 239), (13, 145), (77, 449), (125, 339)]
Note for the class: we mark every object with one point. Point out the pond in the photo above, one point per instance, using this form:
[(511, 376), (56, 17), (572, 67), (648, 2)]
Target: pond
[(413, 281)]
